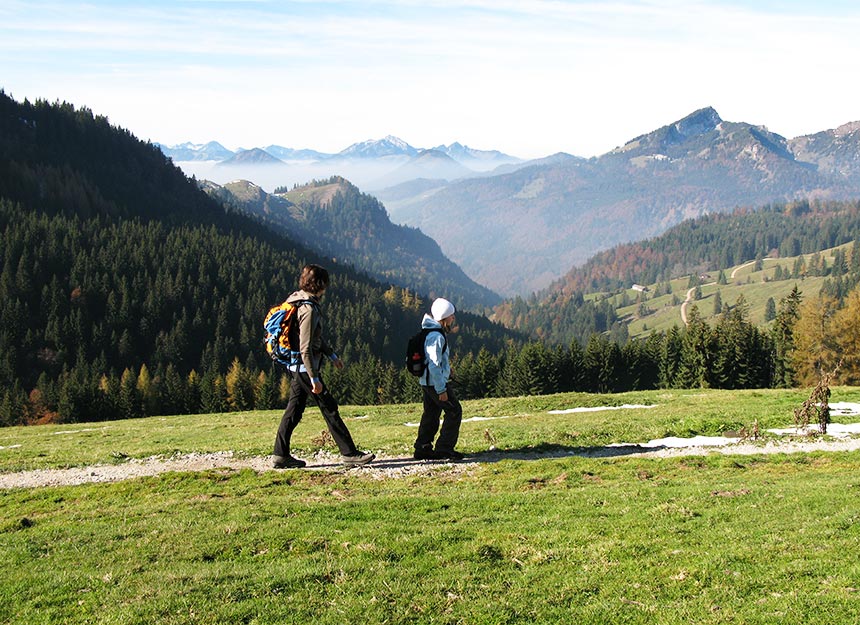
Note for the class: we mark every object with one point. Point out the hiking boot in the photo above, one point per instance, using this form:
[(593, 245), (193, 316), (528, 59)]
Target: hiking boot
[(357, 458), (449, 454), (425, 453), (287, 462)]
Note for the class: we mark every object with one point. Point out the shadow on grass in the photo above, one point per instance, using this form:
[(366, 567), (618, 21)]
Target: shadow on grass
[(537, 452), (540, 452)]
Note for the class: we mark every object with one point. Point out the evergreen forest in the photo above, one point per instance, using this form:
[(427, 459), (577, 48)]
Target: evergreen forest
[(127, 291)]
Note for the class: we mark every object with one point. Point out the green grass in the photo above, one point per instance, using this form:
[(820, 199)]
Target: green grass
[(512, 424), (716, 539), (755, 286)]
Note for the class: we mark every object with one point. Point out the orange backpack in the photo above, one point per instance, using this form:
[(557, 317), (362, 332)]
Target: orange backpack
[(278, 326)]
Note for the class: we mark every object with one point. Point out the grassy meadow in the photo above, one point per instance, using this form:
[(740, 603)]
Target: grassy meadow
[(756, 286), (498, 539)]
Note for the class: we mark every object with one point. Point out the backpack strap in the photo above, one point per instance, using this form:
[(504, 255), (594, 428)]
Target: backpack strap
[(427, 331), (298, 304)]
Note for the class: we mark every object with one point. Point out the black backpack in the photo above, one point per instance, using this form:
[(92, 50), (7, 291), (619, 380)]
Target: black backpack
[(416, 359)]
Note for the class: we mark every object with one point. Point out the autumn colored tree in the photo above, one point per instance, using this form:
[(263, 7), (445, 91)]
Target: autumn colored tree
[(816, 349), (846, 332), (239, 386)]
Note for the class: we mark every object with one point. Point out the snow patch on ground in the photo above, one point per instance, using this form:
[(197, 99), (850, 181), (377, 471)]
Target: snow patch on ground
[(76, 431), (410, 424), (836, 430), (678, 442), (600, 408)]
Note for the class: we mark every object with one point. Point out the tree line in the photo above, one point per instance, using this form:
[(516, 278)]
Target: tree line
[(808, 337)]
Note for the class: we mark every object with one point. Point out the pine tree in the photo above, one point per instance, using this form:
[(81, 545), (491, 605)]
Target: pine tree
[(193, 401), (213, 393), (264, 392), (782, 335), (602, 361), (130, 404), (173, 393), (13, 406), (283, 390), (696, 352), (239, 387), (670, 358), (147, 391), (770, 310)]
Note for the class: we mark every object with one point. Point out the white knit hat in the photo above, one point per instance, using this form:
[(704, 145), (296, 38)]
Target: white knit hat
[(442, 309)]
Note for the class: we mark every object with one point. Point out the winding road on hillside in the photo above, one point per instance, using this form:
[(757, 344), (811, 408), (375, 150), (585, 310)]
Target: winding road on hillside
[(690, 294), (691, 291)]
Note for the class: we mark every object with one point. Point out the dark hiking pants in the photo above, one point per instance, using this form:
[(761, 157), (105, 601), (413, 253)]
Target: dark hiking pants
[(300, 390), (433, 409)]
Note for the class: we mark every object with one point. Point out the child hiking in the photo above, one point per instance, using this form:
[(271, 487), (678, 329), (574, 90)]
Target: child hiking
[(306, 374), (438, 395)]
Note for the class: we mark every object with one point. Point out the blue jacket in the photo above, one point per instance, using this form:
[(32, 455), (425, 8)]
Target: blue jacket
[(438, 366)]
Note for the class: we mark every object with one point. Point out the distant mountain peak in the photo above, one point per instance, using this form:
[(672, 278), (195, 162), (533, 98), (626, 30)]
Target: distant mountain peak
[(254, 155), (847, 129), (434, 153), (387, 146), (694, 125), (698, 123), (396, 141), (188, 151)]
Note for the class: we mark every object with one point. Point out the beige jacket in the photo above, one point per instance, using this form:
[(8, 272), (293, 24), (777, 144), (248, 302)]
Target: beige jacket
[(311, 343)]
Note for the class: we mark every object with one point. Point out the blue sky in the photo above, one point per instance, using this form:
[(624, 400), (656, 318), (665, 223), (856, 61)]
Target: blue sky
[(528, 78)]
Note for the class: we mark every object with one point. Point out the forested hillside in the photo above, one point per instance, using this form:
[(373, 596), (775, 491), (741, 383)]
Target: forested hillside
[(336, 220), (706, 244), (126, 290), (717, 241)]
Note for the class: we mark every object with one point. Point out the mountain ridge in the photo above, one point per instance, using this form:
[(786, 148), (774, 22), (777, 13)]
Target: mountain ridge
[(389, 145), (335, 219), (371, 164), (554, 216)]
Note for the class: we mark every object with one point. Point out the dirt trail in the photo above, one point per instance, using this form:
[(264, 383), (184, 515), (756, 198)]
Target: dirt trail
[(385, 467), (687, 301)]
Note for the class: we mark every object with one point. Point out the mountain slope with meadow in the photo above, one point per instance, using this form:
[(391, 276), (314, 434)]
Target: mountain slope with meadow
[(634, 288)]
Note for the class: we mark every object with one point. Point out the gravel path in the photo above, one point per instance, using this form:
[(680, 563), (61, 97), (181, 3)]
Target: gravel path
[(385, 467)]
